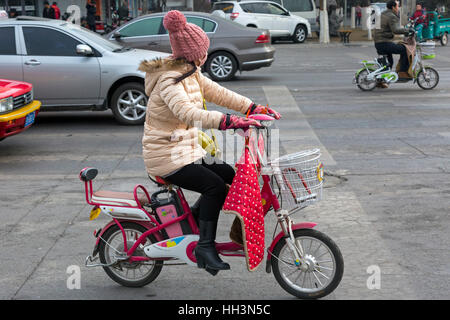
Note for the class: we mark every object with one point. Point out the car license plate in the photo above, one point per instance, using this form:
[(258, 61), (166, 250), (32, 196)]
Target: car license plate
[(29, 119)]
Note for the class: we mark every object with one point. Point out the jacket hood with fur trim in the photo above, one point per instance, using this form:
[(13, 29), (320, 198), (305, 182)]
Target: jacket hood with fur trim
[(156, 67), (175, 112)]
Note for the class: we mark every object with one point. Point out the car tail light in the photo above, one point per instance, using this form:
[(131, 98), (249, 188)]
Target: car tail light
[(234, 15), (264, 38)]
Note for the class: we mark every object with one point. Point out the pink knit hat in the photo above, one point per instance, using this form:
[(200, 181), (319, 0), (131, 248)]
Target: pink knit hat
[(187, 40)]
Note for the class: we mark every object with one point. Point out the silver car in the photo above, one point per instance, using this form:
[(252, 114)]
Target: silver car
[(73, 68)]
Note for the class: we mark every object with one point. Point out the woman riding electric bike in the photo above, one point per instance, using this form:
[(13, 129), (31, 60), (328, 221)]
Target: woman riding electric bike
[(177, 90)]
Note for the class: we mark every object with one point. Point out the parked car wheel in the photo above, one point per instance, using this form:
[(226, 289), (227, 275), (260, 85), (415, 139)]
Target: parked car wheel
[(221, 66), (129, 103), (300, 34)]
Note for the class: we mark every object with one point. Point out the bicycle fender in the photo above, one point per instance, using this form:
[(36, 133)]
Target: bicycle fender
[(359, 71), (98, 235), (369, 66), (302, 225)]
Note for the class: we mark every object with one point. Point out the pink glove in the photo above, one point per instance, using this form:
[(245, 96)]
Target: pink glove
[(259, 109), (230, 121)]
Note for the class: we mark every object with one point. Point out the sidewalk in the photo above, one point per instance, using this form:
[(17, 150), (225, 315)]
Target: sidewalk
[(357, 37)]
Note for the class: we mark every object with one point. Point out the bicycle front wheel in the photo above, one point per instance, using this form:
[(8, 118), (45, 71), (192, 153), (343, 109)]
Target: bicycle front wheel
[(428, 78), (322, 271)]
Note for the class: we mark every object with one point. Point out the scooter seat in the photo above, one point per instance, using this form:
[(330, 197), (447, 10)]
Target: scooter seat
[(125, 199), (159, 181)]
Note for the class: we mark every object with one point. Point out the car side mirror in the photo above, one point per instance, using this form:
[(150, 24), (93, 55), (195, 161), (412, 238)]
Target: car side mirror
[(117, 35), (287, 14), (84, 50)]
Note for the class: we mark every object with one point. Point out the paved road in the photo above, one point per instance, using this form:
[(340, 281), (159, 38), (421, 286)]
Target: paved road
[(386, 199)]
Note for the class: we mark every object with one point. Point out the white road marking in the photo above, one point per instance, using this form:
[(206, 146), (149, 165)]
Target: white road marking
[(300, 135), (341, 215)]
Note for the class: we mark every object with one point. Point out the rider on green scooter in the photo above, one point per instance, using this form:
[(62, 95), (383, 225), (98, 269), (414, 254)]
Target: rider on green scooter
[(384, 39)]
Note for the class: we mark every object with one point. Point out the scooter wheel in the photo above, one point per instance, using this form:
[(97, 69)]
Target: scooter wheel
[(444, 39), (321, 272), (428, 78), (363, 83), (128, 274)]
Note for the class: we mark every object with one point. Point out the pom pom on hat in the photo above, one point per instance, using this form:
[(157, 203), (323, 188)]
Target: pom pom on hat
[(187, 40), (174, 21)]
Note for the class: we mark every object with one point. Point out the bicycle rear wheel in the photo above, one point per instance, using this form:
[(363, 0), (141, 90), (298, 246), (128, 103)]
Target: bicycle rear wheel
[(128, 274), (325, 265), (363, 83)]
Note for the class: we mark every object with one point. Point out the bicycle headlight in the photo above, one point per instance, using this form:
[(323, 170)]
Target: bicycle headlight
[(6, 104)]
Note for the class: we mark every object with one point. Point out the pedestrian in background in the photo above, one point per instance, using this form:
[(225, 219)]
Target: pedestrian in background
[(13, 13), (123, 12), (334, 21), (48, 11), (56, 10), (358, 14), (91, 12)]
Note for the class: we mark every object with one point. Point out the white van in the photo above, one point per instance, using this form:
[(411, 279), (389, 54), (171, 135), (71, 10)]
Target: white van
[(303, 8)]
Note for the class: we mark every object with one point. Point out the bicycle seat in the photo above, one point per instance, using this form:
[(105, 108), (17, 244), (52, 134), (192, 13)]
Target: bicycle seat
[(159, 181), (88, 174), (115, 198)]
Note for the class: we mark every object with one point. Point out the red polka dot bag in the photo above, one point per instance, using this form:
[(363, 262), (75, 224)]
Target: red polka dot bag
[(244, 200)]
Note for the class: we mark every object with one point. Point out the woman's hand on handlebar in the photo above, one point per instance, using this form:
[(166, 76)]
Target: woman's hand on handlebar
[(259, 109), (230, 121)]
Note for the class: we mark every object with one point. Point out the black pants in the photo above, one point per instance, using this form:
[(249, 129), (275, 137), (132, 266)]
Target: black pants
[(208, 179), (92, 27), (389, 48)]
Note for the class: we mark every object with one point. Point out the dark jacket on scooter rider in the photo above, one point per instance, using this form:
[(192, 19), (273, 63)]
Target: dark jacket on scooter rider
[(389, 26)]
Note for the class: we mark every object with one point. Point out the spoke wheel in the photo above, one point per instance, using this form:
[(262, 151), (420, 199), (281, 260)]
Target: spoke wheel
[(428, 78), (319, 275), (129, 103), (221, 66), (363, 83), (129, 274)]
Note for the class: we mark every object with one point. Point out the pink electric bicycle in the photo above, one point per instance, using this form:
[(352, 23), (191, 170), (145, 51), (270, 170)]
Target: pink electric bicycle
[(149, 231)]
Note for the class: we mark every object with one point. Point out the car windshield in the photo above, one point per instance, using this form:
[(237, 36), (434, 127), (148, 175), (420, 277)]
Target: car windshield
[(95, 38)]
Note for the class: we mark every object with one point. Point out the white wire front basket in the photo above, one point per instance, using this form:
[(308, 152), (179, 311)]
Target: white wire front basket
[(299, 178), (427, 49)]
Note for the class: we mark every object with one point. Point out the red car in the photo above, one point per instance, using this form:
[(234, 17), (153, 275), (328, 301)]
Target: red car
[(17, 107)]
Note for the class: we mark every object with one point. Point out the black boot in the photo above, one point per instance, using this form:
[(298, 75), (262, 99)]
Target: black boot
[(205, 251)]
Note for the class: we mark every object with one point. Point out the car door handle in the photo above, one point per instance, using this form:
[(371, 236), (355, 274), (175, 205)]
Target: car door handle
[(32, 62), (153, 43)]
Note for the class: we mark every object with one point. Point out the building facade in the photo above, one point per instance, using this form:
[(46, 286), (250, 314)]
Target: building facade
[(105, 7)]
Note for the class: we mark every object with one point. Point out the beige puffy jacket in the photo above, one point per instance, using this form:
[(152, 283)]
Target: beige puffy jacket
[(175, 111)]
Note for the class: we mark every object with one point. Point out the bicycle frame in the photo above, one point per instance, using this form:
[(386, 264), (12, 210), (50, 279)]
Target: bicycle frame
[(269, 197), (386, 73)]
